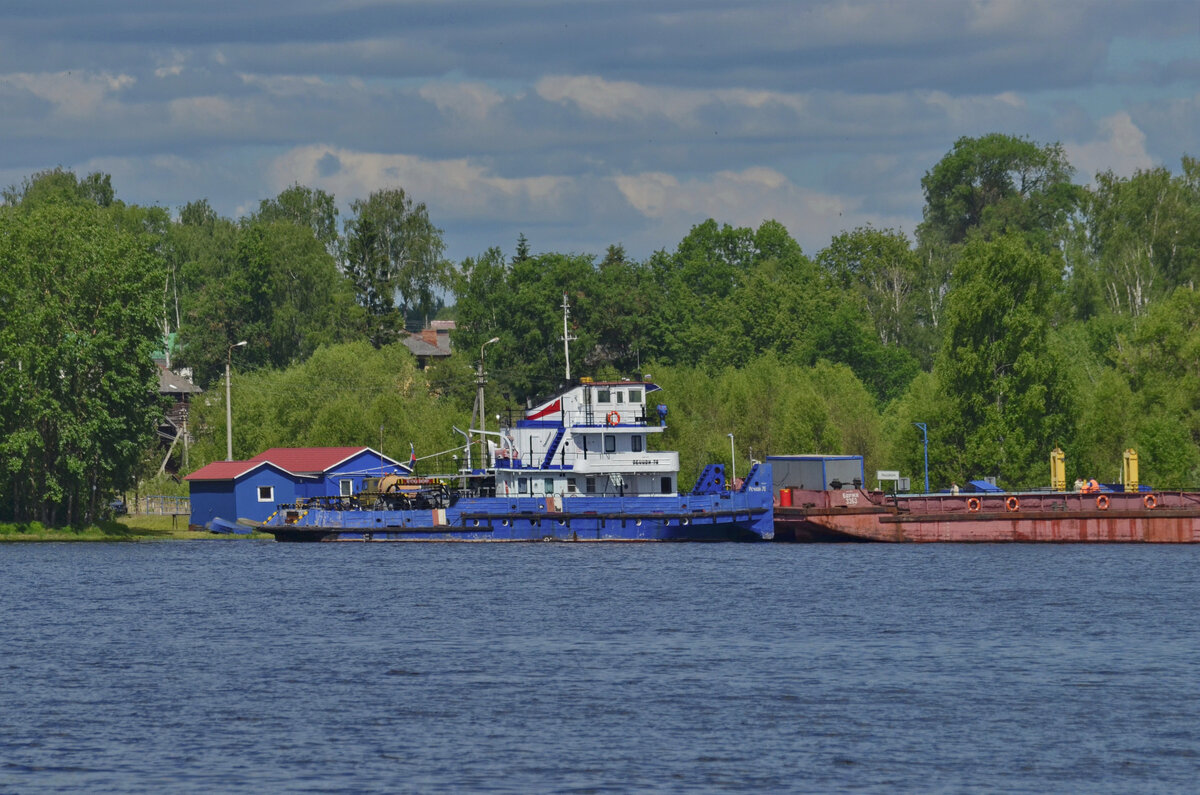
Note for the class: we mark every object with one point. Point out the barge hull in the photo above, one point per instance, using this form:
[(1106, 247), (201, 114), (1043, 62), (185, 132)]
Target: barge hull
[(743, 515), (856, 515)]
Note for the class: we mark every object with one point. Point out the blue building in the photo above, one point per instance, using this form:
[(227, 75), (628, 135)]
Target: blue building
[(226, 491)]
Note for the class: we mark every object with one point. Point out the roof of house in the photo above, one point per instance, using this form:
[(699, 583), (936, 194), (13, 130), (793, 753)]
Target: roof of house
[(309, 460), (227, 470), (304, 461), (434, 341), (170, 382)]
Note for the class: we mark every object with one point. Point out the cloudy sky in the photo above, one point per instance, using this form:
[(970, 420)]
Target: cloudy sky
[(582, 124)]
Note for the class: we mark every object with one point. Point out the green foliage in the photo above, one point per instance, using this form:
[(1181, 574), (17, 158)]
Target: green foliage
[(394, 259), (770, 407), (305, 207), (343, 395), (1033, 313), (882, 268), (1145, 235), (1162, 365), (1004, 402), (80, 299), (58, 186), (998, 184), (272, 284)]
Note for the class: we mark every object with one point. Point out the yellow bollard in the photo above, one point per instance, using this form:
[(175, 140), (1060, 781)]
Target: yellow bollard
[(1129, 469)]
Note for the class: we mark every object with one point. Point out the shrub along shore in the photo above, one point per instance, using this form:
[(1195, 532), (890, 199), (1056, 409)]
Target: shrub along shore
[(127, 528)]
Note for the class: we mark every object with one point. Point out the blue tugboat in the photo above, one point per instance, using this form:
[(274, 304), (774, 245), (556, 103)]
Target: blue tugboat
[(576, 467)]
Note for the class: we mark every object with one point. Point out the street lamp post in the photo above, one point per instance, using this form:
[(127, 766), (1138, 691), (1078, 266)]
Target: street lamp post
[(228, 405), (732, 457), (925, 438), (480, 380)]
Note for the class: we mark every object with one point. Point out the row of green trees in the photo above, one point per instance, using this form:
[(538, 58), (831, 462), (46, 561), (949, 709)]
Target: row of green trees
[(80, 305), (1030, 311)]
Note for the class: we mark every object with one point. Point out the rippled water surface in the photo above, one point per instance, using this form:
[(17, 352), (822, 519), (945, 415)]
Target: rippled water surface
[(255, 666)]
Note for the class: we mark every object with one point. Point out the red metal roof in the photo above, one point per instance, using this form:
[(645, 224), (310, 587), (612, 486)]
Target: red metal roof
[(224, 470), (294, 460), (301, 460)]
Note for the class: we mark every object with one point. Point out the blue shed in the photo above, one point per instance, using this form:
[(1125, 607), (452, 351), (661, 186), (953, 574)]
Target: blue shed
[(252, 490), (232, 490)]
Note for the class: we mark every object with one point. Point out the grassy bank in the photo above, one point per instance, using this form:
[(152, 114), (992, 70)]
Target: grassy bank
[(127, 528)]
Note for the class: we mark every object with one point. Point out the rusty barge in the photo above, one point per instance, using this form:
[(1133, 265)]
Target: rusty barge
[(824, 498)]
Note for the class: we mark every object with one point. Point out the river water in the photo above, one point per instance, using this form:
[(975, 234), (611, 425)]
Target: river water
[(254, 666)]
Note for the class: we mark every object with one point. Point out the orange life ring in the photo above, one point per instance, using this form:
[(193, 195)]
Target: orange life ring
[(973, 504), (1150, 501), (1102, 502), (613, 418), (1012, 504)]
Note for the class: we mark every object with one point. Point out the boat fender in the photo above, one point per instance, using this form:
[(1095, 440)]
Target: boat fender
[(1012, 504), (1102, 502), (1150, 501), (973, 504), (613, 418)]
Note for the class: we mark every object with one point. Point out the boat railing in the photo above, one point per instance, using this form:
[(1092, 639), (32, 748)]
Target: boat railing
[(615, 416)]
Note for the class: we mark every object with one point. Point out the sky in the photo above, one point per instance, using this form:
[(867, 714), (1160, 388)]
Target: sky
[(587, 124)]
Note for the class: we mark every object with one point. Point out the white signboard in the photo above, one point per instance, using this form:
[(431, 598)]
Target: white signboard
[(887, 474)]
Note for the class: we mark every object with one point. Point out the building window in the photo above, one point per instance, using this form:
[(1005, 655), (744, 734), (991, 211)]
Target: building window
[(610, 443), (266, 494), (635, 443), (346, 487), (602, 396)]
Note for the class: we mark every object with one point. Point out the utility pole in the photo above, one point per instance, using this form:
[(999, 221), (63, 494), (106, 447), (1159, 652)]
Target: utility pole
[(566, 337), (480, 382), (228, 407), (925, 438)]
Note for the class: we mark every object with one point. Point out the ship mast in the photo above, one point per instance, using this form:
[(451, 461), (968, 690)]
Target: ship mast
[(566, 337)]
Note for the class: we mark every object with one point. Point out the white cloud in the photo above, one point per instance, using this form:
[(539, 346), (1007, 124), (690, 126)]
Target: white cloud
[(72, 93), (458, 187), (299, 86), (746, 198), (210, 113), (1120, 147), (470, 101), (610, 99)]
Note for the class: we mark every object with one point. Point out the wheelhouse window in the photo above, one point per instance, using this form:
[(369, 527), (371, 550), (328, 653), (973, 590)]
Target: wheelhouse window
[(522, 485), (548, 485), (266, 494), (346, 487), (620, 396), (610, 443), (635, 444), (666, 486), (635, 396), (590, 485), (603, 396)]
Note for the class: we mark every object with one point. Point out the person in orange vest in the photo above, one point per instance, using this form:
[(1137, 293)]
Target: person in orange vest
[(1092, 486)]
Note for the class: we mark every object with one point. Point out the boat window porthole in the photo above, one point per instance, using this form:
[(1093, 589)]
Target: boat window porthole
[(474, 523), (561, 523), (504, 522), (638, 523), (685, 521)]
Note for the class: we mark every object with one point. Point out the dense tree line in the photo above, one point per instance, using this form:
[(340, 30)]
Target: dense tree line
[(1030, 311)]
